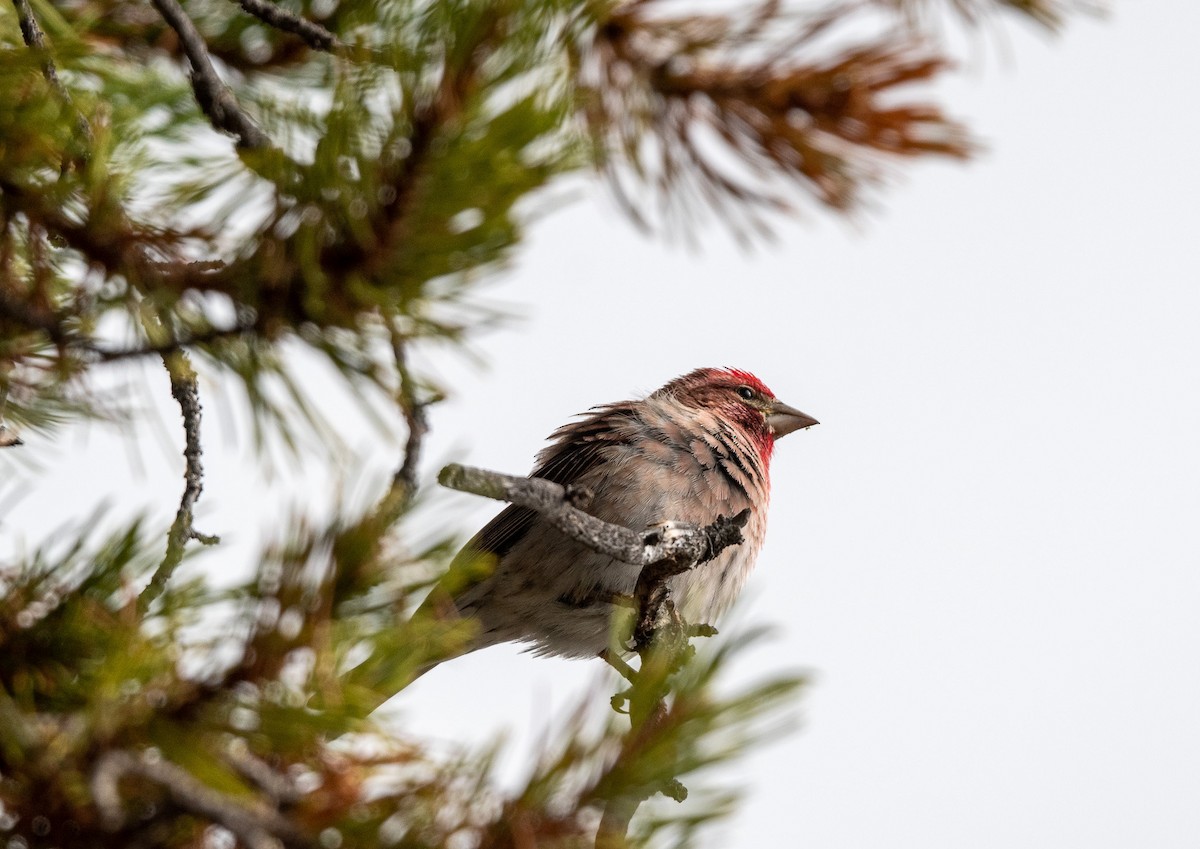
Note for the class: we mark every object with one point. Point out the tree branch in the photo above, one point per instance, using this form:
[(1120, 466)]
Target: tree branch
[(185, 391), (404, 482), (127, 255), (560, 505), (213, 96), (414, 417), (313, 34), (663, 551)]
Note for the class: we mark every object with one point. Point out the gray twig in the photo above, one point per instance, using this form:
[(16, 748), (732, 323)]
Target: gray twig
[(186, 392), (258, 827), (684, 545), (213, 96), (663, 551)]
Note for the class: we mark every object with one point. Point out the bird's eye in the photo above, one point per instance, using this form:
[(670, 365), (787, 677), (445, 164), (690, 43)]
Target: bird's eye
[(746, 392)]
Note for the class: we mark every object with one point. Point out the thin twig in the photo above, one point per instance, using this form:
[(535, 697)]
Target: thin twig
[(54, 325), (663, 550), (257, 827), (213, 96), (404, 482), (313, 34), (185, 391), (128, 257), (414, 418), (651, 595), (668, 541)]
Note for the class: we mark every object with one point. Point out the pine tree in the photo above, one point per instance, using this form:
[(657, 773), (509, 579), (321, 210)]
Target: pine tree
[(209, 182)]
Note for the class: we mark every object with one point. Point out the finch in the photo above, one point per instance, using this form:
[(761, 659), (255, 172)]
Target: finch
[(698, 448)]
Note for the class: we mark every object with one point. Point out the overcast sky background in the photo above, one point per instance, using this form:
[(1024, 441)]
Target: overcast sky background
[(987, 555)]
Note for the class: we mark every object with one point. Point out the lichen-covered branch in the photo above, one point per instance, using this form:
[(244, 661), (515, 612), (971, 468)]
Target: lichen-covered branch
[(186, 392), (414, 417), (663, 551)]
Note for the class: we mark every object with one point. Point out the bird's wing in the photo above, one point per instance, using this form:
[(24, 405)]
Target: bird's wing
[(577, 449)]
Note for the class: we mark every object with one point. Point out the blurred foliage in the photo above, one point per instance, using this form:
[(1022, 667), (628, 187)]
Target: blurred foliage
[(229, 181), (106, 714), (399, 163)]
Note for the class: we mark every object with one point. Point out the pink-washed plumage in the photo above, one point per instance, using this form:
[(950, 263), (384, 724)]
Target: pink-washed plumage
[(697, 448)]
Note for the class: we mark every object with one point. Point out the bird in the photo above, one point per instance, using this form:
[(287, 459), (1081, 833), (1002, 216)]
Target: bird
[(698, 448)]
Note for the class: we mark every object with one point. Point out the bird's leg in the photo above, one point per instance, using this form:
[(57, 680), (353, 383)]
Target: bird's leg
[(614, 659), (620, 699)]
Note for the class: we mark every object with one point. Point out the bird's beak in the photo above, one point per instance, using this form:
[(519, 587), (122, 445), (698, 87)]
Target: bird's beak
[(783, 419)]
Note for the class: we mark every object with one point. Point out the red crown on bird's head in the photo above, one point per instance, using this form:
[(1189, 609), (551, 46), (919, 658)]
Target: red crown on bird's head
[(715, 377), (746, 378)]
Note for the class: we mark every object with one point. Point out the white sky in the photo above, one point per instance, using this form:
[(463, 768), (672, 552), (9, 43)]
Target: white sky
[(988, 554)]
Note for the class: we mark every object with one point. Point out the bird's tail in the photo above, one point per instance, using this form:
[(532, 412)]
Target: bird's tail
[(445, 632)]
